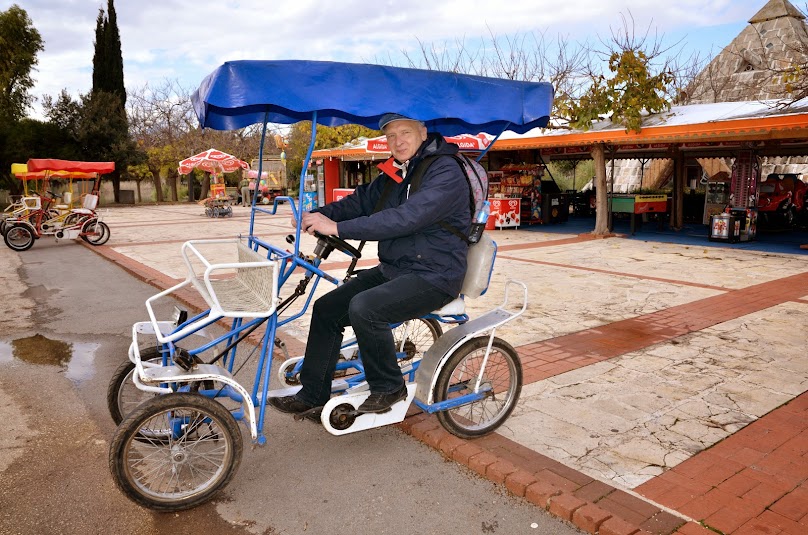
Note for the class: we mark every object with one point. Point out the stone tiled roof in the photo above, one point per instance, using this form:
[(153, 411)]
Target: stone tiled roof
[(775, 9)]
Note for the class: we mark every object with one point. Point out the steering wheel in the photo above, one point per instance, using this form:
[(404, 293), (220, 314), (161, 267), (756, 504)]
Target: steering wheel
[(53, 195), (339, 244)]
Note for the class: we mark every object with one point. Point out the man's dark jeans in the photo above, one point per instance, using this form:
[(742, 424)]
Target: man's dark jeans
[(369, 303)]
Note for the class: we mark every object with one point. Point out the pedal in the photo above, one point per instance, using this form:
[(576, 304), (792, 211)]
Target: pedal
[(312, 414), (339, 415)]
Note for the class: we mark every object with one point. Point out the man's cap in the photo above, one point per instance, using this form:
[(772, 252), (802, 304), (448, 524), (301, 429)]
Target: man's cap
[(388, 118)]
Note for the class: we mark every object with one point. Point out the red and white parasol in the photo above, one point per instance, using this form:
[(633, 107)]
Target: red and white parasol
[(212, 161)]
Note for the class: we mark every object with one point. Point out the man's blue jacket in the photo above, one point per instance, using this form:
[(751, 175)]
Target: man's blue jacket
[(410, 238)]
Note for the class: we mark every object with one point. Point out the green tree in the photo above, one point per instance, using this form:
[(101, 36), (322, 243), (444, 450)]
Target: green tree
[(326, 138), (114, 58), (100, 51), (30, 138), (631, 91), (109, 96), (633, 85), (20, 43)]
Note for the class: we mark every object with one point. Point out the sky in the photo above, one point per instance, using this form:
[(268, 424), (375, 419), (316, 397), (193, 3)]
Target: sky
[(184, 40)]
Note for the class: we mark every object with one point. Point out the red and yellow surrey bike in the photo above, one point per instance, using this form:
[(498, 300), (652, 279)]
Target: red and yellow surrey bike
[(42, 214)]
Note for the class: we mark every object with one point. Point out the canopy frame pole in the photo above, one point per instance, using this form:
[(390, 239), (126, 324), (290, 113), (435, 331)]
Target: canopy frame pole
[(303, 180), (257, 183), (483, 153)]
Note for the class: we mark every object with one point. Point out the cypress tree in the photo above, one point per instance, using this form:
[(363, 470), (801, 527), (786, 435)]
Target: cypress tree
[(99, 56), (114, 57), (107, 83)]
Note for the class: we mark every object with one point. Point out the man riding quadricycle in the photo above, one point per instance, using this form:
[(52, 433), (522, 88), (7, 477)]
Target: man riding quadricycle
[(178, 403)]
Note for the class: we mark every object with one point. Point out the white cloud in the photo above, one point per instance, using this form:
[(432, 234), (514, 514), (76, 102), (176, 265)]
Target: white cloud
[(187, 39)]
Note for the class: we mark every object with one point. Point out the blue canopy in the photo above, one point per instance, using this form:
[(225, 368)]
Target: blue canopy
[(242, 93)]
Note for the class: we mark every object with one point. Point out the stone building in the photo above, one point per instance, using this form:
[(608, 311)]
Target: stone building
[(748, 69)]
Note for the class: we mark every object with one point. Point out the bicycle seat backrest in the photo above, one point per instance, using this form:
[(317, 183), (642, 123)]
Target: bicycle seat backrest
[(32, 203), (90, 202)]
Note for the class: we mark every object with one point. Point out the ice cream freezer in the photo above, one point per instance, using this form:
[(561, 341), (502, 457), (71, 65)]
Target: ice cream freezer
[(737, 225), (505, 212)]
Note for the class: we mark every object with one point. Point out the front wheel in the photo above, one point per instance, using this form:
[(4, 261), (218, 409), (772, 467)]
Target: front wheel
[(175, 452), (95, 232), (19, 237), (502, 378)]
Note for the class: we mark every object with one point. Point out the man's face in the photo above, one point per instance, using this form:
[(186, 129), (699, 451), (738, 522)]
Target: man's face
[(404, 137)]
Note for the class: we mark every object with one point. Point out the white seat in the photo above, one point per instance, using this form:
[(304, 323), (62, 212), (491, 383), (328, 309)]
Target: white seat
[(90, 202), (453, 308)]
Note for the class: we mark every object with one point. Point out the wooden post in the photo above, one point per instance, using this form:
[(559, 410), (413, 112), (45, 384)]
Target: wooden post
[(677, 206), (601, 203)]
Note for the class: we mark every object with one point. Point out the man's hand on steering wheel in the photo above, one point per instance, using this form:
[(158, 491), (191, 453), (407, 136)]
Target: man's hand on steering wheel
[(312, 222)]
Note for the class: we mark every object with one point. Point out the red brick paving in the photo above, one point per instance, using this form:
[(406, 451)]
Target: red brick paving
[(753, 482), (760, 471)]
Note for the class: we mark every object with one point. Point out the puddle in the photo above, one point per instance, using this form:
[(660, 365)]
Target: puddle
[(39, 293), (77, 359)]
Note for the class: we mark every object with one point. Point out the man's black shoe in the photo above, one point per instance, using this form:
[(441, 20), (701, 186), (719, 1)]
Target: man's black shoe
[(289, 404), (378, 403), (292, 405)]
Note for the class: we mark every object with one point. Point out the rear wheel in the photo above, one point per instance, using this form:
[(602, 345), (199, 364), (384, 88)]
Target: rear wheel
[(175, 452), (502, 377), (122, 394), (74, 219), (19, 237)]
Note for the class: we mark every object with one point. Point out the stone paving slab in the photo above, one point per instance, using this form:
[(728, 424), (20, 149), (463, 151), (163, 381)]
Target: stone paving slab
[(630, 418), (664, 384)]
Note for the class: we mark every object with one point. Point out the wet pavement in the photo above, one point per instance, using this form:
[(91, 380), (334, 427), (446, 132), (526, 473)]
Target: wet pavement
[(664, 382), (67, 330)]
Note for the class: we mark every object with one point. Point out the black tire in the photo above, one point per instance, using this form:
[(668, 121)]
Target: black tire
[(98, 230), (122, 394), (417, 336), (163, 472), (19, 237), (503, 372)]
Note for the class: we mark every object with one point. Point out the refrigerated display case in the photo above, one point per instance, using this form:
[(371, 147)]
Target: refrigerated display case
[(716, 198)]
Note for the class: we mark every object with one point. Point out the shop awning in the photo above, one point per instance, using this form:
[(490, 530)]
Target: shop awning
[(722, 126)]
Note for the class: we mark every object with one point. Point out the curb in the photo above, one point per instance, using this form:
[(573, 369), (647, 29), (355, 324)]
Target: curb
[(593, 507)]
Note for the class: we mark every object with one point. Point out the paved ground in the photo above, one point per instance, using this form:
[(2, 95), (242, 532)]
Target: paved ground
[(73, 313), (665, 383)]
